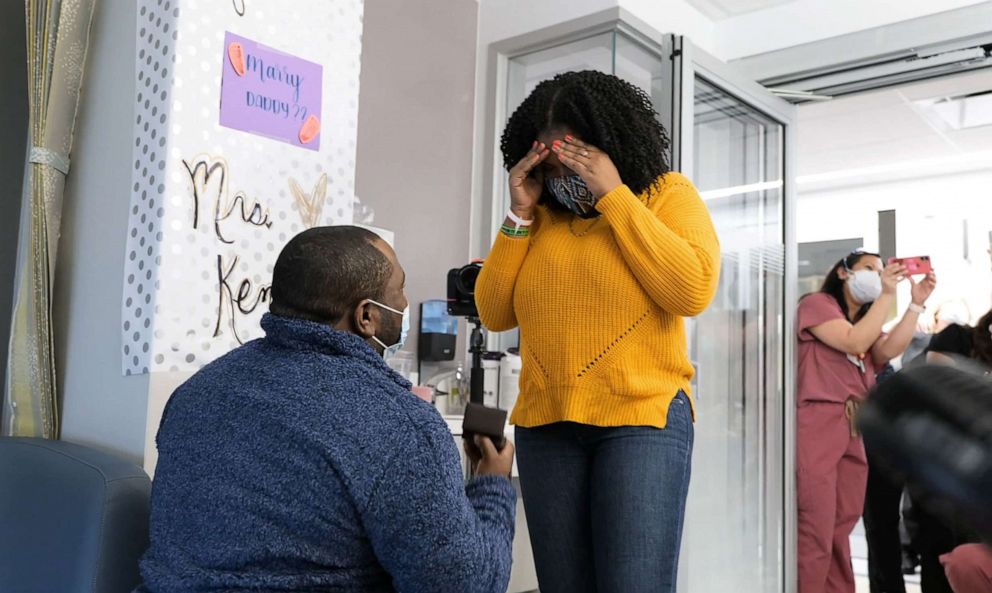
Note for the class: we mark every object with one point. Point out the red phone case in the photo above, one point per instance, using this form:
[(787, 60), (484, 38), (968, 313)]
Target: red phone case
[(916, 266)]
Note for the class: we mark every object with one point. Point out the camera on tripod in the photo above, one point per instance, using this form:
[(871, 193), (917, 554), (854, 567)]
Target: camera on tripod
[(434, 343), (461, 303), (461, 290)]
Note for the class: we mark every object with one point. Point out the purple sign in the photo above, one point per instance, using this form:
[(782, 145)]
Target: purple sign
[(270, 93)]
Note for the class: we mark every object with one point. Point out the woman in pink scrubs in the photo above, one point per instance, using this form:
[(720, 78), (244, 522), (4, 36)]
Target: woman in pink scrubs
[(841, 345)]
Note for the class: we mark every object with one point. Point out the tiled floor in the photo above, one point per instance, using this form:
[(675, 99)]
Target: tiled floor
[(859, 556)]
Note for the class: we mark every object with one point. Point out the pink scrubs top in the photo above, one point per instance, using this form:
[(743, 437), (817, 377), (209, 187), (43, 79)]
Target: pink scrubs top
[(826, 374)]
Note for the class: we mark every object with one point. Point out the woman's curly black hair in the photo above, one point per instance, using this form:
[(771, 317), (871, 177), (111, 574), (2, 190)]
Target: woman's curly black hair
[(603, 110)]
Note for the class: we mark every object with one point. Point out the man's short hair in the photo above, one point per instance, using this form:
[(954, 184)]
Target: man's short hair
[(325, 271)]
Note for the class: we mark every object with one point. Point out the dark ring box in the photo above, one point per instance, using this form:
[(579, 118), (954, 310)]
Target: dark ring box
[(490, 422)]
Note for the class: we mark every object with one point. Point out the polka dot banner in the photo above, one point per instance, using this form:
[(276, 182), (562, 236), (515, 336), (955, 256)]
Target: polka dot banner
[(211, 206)]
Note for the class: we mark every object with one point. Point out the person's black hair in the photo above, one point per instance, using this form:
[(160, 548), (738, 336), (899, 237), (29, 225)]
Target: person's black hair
[(981, 340), (323, 272), (601, 109), (834, 285)]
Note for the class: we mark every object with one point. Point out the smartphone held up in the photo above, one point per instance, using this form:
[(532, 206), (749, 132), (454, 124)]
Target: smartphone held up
[(915, 266)]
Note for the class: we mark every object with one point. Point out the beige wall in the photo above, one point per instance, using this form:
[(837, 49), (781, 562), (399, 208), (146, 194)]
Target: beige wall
[(415, 121), (101, 407)]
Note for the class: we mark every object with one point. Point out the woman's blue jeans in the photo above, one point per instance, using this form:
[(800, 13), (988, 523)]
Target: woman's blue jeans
[(605, 506)]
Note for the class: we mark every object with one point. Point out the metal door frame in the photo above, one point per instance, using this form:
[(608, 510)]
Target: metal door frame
[(688, 62)]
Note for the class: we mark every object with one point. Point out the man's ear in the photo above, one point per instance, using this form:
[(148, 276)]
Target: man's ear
[(364, 319)]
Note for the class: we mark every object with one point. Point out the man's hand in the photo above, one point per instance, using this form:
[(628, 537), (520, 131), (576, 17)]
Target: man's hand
[(486, 460)]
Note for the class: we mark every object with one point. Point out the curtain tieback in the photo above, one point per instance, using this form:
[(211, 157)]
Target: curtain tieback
[(56, 160)]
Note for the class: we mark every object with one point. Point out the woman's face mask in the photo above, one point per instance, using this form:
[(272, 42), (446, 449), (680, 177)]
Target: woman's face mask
[(865, 286), (573, 193)]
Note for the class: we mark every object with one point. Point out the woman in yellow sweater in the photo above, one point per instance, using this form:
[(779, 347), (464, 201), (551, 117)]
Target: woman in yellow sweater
[(603, 253)]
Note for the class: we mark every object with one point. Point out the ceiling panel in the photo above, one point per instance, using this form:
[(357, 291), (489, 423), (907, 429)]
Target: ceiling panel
[(849, 104), (876, 154), (973, 139), (885, 127), (724, 9), (863, 127)]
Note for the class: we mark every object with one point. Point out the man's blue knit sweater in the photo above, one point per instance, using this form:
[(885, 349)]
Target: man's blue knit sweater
[(301, 462)]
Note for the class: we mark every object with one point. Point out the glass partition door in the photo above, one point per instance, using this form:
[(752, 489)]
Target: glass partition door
[(734, 151)]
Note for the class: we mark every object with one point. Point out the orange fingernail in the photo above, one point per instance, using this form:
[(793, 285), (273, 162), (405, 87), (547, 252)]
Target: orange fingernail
[(569, 138)]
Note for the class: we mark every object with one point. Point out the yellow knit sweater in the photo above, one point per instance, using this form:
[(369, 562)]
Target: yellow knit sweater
[(600, 305)]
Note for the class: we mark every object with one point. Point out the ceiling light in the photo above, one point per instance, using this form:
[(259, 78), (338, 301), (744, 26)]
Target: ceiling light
[(958, 113)]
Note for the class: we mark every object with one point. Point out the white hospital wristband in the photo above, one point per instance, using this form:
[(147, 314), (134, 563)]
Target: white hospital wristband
[(517, 220)]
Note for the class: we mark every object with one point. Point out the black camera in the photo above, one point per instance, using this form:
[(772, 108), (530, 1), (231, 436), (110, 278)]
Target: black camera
[(461, 290), (461, 303)]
